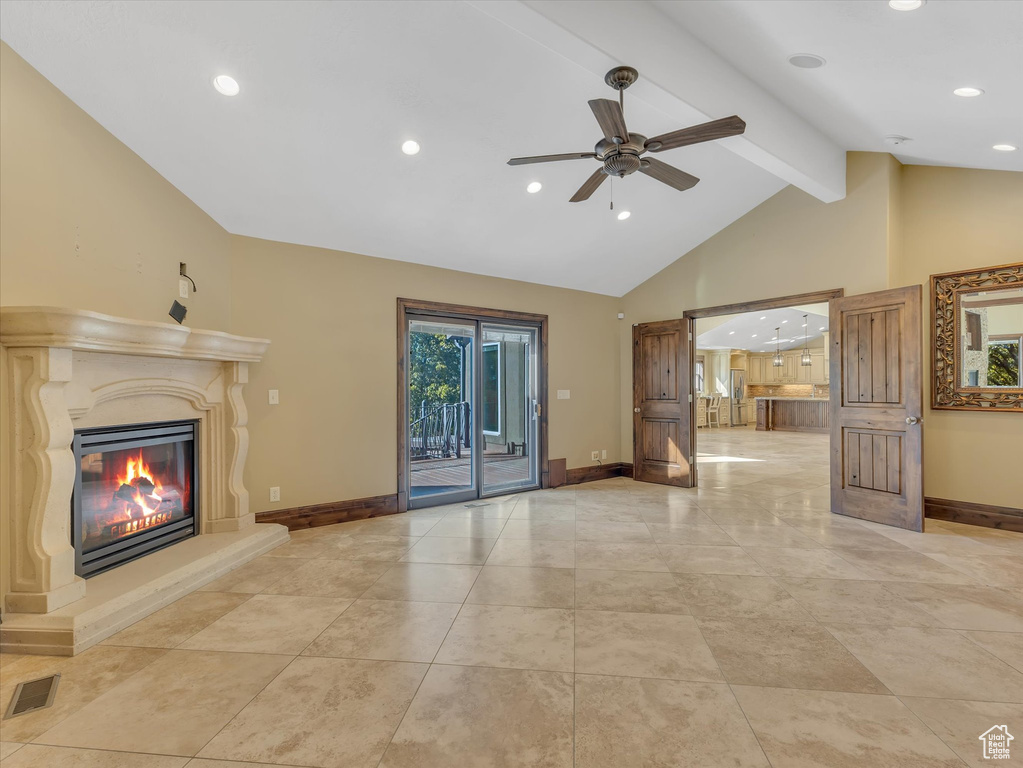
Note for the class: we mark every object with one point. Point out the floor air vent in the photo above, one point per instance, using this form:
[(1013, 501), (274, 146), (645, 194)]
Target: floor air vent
[(478, 504), (33, 695)]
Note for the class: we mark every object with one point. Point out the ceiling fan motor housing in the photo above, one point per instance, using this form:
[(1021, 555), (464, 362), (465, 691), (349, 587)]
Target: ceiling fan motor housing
[(621, 165)]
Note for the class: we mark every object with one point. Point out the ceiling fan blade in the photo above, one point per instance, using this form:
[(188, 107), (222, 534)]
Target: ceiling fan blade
[(610, 118), (695, 134), (589, 186), (549, 158), (668, 174)]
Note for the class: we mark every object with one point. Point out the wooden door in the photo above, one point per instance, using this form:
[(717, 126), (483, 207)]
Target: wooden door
[(876, 402), (660, 395)]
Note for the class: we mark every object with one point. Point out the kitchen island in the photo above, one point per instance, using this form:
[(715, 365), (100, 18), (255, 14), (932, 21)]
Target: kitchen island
[(792, 414)]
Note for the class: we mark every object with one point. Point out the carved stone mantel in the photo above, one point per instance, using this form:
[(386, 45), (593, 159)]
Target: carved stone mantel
[(67, 369)]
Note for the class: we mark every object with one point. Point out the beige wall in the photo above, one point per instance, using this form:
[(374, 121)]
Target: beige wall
[(1006, 319), (332, 319), (897, 226), (81, 213), (86, 223), (958, 218), (789, 244)]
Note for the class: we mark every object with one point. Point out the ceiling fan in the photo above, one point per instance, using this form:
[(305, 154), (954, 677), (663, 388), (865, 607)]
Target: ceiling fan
[(620, 152)]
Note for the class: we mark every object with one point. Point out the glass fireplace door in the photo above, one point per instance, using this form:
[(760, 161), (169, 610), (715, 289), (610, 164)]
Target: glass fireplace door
[(135, 492)]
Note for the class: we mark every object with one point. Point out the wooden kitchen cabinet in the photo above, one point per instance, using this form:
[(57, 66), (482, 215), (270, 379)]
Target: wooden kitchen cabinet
[(760, 368), (755, 369)]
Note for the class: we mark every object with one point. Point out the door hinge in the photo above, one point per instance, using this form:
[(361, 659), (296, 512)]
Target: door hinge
[(690, 336), (690, 397)]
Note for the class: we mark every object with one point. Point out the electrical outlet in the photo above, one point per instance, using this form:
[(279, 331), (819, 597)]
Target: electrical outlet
[(183, 289), (274, 396), (603, 454), (595, 456), (275, 493)]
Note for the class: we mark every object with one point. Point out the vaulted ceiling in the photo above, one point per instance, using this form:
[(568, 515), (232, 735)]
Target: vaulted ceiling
[(309, 151)]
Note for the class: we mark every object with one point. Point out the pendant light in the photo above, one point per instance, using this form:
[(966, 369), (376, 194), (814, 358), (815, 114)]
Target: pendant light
[(806, 359), (779, 361)]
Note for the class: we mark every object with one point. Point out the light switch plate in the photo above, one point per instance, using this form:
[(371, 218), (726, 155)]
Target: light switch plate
[(274, 396), (564, 394)]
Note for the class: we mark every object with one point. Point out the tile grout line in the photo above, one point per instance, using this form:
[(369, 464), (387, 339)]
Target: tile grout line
[(440, 645)]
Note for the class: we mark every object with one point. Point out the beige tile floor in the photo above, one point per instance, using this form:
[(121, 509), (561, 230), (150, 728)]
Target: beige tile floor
[(610, 624)]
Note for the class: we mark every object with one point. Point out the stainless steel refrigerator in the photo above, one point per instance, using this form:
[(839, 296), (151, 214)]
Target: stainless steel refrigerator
[(740, 406)]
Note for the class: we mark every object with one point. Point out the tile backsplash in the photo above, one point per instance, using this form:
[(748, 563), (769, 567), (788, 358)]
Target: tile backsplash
[(788, 390)]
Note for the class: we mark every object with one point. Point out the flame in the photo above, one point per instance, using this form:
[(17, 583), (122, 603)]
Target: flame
[(136, 469)]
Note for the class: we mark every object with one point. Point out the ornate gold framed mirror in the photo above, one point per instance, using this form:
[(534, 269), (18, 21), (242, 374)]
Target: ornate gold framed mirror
[(977, 327)]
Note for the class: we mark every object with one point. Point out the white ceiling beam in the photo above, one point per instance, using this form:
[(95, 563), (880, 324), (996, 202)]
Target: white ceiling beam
[(683, 78)]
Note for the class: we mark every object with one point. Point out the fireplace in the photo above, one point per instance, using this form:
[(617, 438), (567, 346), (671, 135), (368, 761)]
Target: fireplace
[(135, 492)]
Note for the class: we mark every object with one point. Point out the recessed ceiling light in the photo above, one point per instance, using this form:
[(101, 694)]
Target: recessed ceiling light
[(804, 325), (968, 92), (410, 147), (784, 321), (1004, 147), (754, 335), (806, 60), (533, 187), (624, 215), (822, 328), (905, 5), (731, 333), (226, 85), (763, 317)]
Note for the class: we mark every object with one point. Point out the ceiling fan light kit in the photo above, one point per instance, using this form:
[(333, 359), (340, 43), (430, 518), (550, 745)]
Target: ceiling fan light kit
[(620, 151)]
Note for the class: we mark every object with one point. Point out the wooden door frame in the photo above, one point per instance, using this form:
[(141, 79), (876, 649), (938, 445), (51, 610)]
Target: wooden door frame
[(689, 318), (464, 312)]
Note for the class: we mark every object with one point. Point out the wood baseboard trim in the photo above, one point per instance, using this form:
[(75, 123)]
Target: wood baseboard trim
[(315, 515), (968, 513), (603, 472)]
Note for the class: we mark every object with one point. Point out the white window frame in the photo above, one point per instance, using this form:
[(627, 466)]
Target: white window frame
[(500, 414)]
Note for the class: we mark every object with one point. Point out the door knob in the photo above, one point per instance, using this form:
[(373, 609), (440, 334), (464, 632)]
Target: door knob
[(635, 410), (913, 420)]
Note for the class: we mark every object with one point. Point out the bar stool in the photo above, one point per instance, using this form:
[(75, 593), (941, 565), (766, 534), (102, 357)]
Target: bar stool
[(714, 411)]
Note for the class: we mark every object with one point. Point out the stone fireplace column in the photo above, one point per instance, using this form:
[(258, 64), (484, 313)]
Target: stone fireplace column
[(42, 479)]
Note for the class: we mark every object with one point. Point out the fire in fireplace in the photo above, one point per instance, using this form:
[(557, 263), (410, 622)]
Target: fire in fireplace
[(135, 492)]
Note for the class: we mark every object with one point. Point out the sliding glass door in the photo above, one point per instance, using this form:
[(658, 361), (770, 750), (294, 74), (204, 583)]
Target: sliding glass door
[(472, 393), (508, 407), (441, 395)]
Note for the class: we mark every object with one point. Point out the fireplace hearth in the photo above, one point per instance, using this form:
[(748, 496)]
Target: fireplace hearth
[(136, 491)]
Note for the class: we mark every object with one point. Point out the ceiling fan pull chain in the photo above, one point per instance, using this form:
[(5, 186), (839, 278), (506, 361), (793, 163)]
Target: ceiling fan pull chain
[(611, 188)]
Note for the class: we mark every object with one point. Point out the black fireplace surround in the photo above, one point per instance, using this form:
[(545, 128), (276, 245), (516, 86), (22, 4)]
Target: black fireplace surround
[(136, 491)]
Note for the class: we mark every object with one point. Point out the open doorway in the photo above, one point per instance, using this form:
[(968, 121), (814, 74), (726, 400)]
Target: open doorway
[(874, 382), (761, 402)]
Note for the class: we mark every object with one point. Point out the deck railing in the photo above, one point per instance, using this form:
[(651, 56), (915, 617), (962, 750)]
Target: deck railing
[(441, 431)]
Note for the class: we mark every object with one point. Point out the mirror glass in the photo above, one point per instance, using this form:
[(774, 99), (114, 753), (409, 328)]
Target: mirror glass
[(991, 338)]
